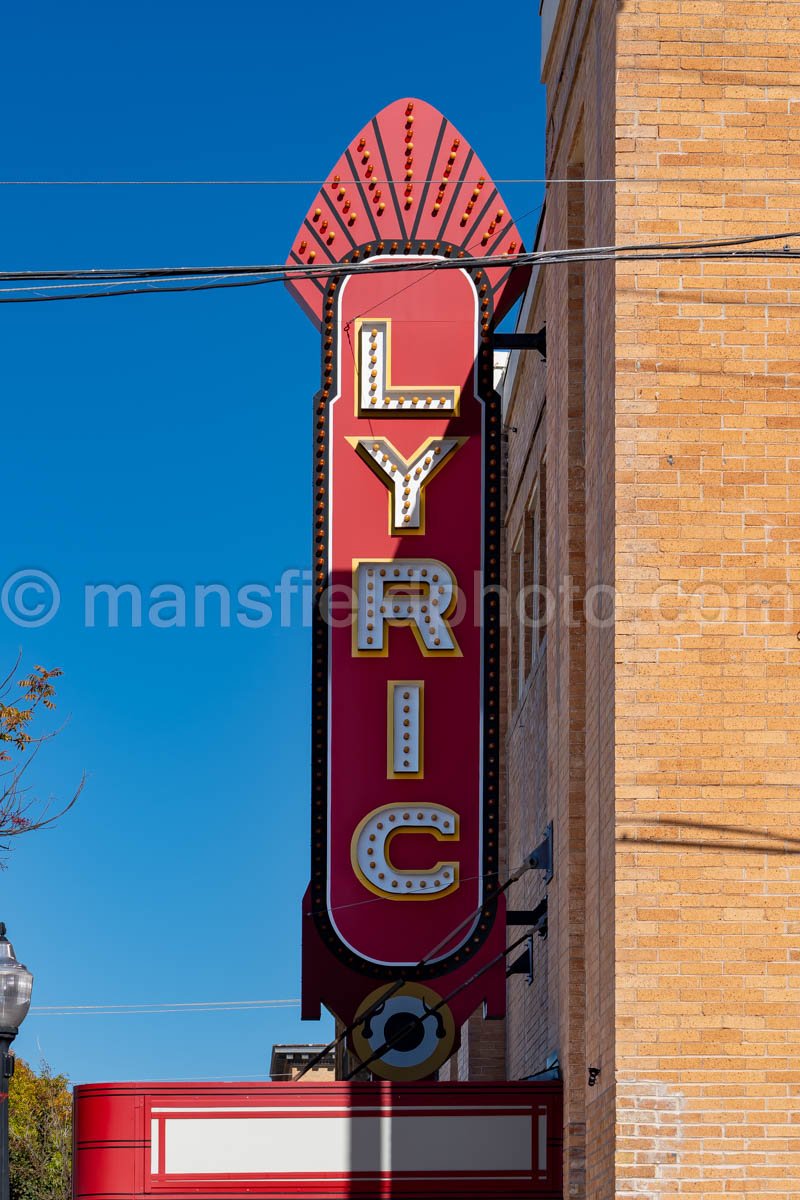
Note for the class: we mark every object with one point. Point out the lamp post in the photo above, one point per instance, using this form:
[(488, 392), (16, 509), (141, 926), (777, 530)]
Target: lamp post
[(16, 984)]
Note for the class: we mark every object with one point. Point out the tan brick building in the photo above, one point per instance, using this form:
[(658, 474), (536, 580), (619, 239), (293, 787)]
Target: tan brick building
[(289, 1059), (655, 458)]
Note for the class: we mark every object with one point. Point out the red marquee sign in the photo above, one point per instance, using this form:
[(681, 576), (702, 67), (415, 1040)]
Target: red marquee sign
[(324, 1141), (400, 917)]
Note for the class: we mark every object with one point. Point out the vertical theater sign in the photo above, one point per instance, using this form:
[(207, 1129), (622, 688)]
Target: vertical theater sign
[(403, 927), (403, 923)]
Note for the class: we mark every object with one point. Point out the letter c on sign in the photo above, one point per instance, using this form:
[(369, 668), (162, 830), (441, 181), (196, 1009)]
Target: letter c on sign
[(371, 845)]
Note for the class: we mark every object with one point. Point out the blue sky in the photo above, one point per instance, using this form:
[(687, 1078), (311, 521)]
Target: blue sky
[(166, 439)]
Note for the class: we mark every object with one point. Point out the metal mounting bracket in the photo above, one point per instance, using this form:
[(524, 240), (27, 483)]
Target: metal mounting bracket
[(535, 917), (523, 341), (541, 859), (523, 965)]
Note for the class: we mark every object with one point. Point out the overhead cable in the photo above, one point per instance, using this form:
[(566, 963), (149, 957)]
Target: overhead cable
[(572, 181), (124, 281), (402, 979), (404, 263), (412, 1022), (143, 1009)]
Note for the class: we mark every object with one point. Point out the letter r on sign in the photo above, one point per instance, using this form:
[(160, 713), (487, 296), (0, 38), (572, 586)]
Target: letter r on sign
[(419, 592)]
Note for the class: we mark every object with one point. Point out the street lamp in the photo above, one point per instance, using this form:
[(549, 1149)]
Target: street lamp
[(16, 984)]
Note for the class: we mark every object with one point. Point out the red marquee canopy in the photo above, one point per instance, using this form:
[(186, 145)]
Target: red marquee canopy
[(321, 1141)]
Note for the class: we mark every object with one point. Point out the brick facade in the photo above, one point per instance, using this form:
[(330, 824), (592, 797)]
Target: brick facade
[(663, 744)]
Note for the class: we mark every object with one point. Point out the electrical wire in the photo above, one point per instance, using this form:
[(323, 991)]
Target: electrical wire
[(537, 208), (429, 1012), (155, 290), (741, 249), (403, 978), (186, 1079), (159, 1004), (343, 266), (318, 183), (136, 291), (199, 1006)]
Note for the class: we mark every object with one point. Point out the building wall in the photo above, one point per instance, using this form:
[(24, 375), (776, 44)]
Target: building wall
[(664, 744), (289, 1060), (531, 1026), (708, 680), (560, 736), (580, 85)]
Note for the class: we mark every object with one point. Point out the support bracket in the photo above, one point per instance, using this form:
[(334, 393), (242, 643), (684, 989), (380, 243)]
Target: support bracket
[(523, 341), (523, 964), (535, 917), (541, 859)]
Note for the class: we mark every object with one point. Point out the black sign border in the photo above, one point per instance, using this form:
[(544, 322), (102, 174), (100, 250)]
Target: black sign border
[(492, 451)]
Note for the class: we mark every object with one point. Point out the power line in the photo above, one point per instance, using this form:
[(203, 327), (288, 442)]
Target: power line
[(318, 183), (159, 1004), (413, 1022), (186, 1079), (348, 267), (398, 983), (125, 281), (251, 1078), (507, 182), (537, 208), (145, 1009)]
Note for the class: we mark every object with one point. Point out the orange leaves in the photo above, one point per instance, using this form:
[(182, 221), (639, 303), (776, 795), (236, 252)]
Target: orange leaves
[(35, 689)]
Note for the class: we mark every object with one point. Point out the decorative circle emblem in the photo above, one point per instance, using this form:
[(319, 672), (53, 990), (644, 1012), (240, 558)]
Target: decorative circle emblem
[(412, 1032)]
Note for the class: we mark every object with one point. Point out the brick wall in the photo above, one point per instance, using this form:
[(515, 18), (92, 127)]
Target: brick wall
[(664, 744), (708, 677), (568, 721), (532, 1030)]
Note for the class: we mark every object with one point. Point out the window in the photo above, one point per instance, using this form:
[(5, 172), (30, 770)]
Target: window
[(539, 607), (519, 621), (530, 608)]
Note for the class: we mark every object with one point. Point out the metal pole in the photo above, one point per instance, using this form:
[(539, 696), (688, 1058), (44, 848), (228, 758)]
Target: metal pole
[(6, 1071)]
